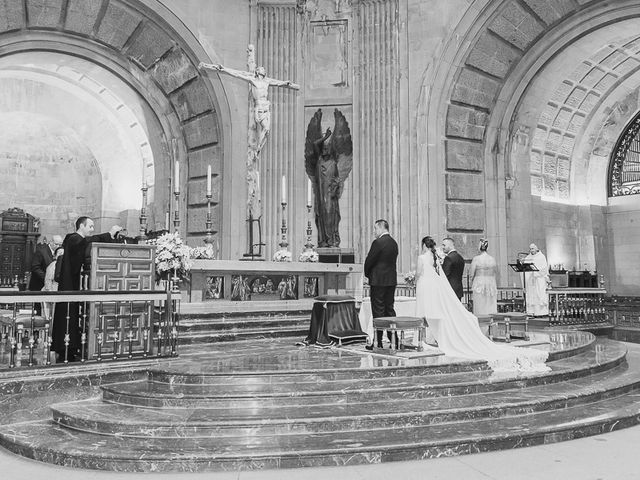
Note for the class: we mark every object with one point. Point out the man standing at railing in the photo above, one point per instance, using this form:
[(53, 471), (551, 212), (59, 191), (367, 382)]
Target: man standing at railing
[(75, 248)]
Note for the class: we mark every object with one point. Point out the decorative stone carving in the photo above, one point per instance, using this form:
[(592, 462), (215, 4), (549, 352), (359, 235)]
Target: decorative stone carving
[(259, 122)]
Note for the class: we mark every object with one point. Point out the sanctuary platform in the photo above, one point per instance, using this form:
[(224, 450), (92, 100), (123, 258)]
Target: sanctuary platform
[(263, 404)]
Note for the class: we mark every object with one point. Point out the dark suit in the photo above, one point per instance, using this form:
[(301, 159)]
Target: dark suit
[(453, 268), (75, 255), (41, 260), (380, 269)]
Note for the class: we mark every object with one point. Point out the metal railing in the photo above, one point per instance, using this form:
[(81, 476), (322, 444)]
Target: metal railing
[(577, 307), (109, 325)]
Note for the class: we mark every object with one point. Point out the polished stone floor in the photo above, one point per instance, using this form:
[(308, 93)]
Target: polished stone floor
[(263, 405), (611, 456)]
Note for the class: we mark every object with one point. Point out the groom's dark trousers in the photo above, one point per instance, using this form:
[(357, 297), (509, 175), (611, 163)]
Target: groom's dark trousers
[(382, 300), (380, 269)]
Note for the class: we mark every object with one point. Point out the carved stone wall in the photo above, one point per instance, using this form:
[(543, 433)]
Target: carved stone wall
[(278, 50), (377, 103)]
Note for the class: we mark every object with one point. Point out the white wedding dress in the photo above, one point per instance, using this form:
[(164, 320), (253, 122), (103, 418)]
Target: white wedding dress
[(456, 329)]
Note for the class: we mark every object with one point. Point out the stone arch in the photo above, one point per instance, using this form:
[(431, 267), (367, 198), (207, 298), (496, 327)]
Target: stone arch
[(150, 50), (486, 66)]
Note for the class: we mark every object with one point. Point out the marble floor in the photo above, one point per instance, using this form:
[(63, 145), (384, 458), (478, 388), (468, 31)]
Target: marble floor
[(611, 456), (298, 394)]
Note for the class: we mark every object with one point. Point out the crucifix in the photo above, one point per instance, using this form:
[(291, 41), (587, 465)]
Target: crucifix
[(259, 128)]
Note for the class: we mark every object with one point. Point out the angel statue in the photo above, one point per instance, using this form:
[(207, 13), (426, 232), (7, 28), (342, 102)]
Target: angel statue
[(328, 161)]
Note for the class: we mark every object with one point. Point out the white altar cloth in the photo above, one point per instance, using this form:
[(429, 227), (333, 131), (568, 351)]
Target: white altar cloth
[(404, 307)]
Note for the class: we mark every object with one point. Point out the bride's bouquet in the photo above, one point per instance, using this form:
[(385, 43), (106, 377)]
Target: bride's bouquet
[(410, 278)]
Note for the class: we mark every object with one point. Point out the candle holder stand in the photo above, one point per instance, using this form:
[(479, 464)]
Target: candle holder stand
[(284, 243), (142, 238), (208, 239), (308, 247), (176, 214)]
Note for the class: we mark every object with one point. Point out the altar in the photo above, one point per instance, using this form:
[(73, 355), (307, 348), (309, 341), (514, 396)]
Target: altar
[(231, 280)]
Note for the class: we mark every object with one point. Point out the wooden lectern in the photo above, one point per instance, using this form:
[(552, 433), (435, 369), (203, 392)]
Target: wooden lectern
[(120, 267)]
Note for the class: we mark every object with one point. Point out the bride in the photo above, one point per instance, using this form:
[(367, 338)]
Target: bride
[(455, 328)]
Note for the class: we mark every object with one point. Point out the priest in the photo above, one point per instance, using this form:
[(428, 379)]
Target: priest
[(536, 283), (76, 245)]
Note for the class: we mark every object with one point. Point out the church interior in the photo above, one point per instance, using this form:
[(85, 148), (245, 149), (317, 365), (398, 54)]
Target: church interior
[(246, 151)]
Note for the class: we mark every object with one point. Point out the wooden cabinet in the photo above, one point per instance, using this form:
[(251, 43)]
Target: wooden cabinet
[(18, 236)]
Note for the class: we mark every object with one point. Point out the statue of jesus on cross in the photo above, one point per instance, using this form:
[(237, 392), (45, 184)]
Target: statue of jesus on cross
[(259, 122)]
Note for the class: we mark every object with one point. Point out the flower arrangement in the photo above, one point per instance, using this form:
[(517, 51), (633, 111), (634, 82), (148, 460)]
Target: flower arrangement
[(204, 253), (309, 256), (172, 255), (282, 255), (410, 278)]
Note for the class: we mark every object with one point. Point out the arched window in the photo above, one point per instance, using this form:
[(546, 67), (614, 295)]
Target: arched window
[(624, 166)]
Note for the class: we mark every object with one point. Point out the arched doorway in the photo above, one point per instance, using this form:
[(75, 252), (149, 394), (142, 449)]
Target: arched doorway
[(511, 119), (123, 55)]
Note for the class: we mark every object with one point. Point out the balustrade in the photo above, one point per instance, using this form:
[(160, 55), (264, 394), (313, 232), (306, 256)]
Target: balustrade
[(114, 325), (577, 306)]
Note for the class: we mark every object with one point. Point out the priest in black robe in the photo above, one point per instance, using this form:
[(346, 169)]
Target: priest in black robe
[(76, 245)]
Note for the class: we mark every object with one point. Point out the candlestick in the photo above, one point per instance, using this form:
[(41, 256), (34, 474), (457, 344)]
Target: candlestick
[(209, 237), (208, 180), (283, 229), (142, 238), (284, 190), (176, 178), (176, 215), (309, 193), (309, 245)]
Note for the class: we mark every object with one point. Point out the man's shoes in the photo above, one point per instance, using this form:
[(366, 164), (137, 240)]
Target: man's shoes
[(369, 347)]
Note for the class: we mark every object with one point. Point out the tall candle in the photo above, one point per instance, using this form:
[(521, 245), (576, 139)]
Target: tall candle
[(309, 193), (284, 189), (176, 178), (208, 180), (166, 221)]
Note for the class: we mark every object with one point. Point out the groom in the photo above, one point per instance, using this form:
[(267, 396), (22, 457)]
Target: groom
[(380, 269), (453, 266)]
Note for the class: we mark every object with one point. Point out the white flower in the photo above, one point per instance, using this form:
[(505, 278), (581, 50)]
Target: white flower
[(309, 256), (282, 256), (172, 254)]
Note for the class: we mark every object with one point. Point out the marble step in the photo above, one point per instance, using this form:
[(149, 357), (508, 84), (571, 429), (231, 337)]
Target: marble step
[(376, 413), (211, 336), (310, 392), (238, 324), (280, 364), (46, 441), (347, 368), (245, 310)]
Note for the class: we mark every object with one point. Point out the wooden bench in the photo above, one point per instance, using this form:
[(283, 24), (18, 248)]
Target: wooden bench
[(399, 324)]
